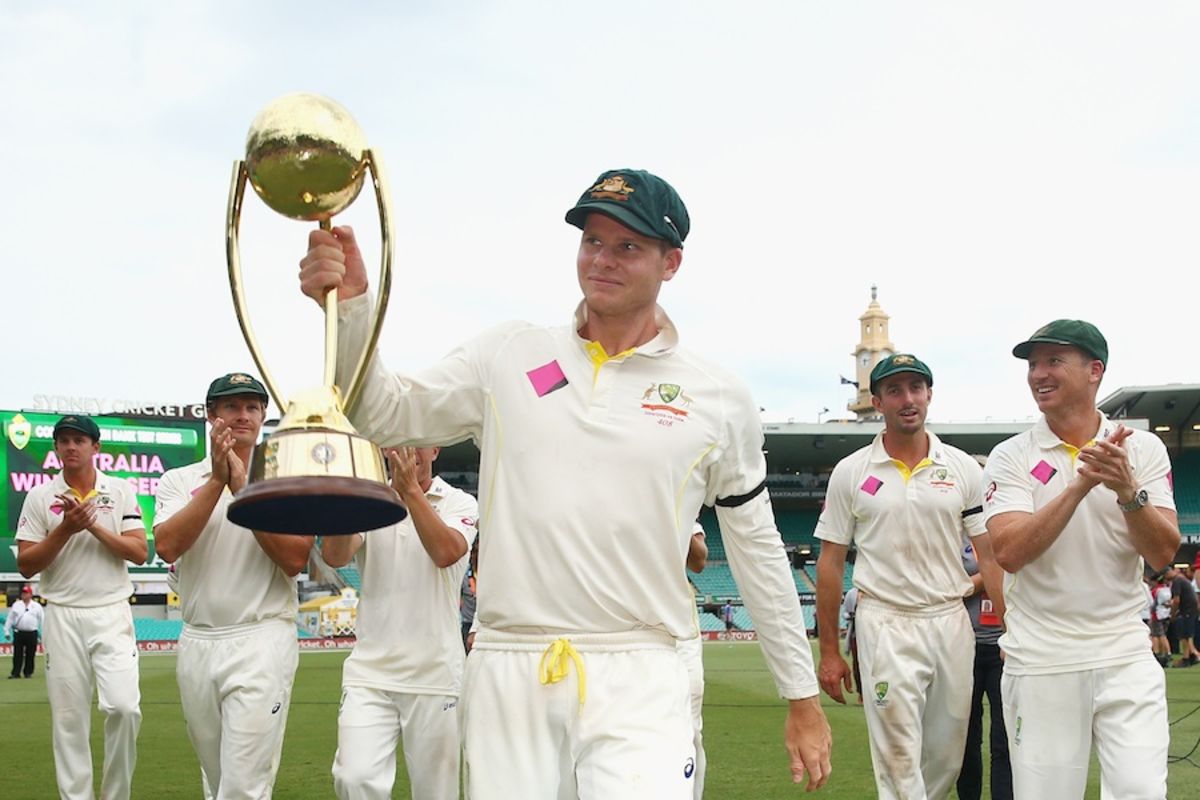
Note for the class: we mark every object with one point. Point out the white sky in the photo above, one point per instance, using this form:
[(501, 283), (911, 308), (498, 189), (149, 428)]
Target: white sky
[(989, 166)]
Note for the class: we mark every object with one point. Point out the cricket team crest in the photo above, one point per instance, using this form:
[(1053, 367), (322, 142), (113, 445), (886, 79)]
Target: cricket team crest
[(673, 404), (942, 478), (881, 690), (19, 431), (614, 188)]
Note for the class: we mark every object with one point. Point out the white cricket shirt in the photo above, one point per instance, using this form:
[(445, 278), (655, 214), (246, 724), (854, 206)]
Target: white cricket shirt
[(1078, 605), (85, 573), (408, 627), (225, 578), (592, 472), (908, 526)]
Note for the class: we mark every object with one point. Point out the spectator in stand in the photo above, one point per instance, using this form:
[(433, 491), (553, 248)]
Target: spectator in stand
[(1160, 618), (24, 620)]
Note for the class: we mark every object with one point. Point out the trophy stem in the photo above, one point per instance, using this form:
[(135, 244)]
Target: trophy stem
[(331, 322)]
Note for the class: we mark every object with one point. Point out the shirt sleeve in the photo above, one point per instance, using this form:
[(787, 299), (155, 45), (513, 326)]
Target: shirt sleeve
[(1007, 483), (33, 525), (461, 512), (1153, 471), (763, 575), (171, 496), (756, 554), (131, 510), (440, 406), (836, 523), (740, 473), (972, 514)]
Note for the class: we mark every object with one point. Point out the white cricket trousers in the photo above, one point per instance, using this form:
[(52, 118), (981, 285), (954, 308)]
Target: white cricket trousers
[(1052, 721), (371, 723), (235, 685), (690, 650), (88, 647), (593, 717), (917, 670)]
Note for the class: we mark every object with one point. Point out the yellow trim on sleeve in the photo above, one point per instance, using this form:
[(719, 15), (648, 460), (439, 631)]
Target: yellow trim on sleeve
[(561, 654)]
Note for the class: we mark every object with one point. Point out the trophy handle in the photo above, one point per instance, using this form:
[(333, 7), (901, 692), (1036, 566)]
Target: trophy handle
[(233, 218), (357, 378)]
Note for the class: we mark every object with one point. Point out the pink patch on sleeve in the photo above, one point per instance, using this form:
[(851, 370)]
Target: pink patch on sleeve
[(871, 485), (57, 508), (1043, 472), (547, 378), (196, 491), (1171, 480)]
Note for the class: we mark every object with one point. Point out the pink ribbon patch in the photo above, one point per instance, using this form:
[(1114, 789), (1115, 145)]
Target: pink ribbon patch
[(871, 485), (547, 378), (1043, 472), (57, 508)]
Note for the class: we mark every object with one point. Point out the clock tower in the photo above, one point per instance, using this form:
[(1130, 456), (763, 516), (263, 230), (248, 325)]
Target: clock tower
[(873, 346)]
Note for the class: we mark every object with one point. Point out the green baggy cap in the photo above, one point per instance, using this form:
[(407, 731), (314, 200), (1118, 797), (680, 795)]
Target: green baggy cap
[(638, 200), (235, 383), (78, 422), (1073, 332), (899, 362)]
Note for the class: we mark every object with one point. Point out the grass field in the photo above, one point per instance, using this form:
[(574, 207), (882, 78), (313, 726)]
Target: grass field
[(743, 723)]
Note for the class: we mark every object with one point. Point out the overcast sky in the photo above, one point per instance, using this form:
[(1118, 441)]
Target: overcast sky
[(989, 166)]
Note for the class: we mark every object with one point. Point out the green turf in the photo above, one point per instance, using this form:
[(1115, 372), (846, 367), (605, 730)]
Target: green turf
[(743, 729)]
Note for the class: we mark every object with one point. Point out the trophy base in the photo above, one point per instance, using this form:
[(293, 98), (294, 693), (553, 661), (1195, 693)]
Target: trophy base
[(316, 505)]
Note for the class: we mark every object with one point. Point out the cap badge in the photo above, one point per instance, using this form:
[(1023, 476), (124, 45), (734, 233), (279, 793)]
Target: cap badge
[(240, 378), (613, 188), (903, 360)]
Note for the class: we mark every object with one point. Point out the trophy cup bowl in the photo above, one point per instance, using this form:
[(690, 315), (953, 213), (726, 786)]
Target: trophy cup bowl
[(306, 158)]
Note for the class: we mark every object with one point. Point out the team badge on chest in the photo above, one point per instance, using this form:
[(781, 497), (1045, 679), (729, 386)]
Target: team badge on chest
[(666, 403)]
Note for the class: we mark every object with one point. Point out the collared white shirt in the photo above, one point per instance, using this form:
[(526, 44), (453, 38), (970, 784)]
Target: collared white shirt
[(85, 573), (908, 526), (407, 624), (225, 578), (1078, 605), (592, 472), (23, 616)]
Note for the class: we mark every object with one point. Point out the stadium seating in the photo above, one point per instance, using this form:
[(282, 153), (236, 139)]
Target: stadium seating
[(351, 576), (716, 582), (1186, 468)]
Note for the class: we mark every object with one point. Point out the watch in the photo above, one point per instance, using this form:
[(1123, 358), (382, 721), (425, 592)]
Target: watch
[(1141, 499)]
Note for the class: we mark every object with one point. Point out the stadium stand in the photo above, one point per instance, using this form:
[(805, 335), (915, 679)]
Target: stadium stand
[(351, 576), (716, 582), (741, 619), (710, 622), (1186, 468)]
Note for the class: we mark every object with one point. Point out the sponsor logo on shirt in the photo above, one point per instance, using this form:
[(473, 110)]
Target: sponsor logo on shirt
[(990, 493), (667, 403), (689, 767)]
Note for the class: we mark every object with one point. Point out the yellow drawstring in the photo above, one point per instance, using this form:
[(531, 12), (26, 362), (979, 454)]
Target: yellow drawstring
[(556, 662)]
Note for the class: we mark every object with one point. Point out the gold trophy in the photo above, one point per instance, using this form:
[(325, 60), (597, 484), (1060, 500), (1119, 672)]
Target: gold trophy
[(306, 158)]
